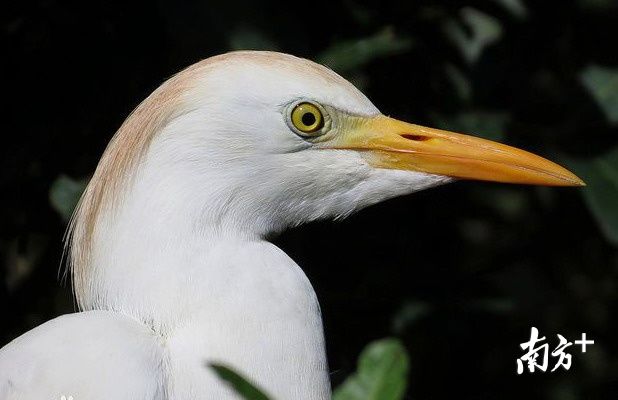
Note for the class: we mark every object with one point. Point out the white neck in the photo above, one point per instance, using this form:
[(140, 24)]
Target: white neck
[(213, 291)]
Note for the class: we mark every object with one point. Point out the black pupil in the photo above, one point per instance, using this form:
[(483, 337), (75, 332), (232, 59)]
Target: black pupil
[(308, 119)]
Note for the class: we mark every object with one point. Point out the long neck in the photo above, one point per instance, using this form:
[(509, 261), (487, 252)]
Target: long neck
[(215, 291)]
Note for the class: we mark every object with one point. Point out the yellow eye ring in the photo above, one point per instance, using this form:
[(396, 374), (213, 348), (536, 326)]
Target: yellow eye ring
[(307, 118)]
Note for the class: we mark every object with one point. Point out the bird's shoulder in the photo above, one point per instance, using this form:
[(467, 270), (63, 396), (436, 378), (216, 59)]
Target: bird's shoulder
[(86, 355)]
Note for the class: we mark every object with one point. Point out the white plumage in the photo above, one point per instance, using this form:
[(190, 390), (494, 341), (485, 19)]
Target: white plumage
[(87, 355), (169, 252)]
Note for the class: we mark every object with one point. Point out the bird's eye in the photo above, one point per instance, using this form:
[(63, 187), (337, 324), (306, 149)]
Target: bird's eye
[(307, 118)]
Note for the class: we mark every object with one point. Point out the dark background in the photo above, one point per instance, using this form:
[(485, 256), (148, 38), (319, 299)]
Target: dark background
[(460, 273)]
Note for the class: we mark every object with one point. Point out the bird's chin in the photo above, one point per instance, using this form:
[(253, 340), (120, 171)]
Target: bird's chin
[(389, 183)]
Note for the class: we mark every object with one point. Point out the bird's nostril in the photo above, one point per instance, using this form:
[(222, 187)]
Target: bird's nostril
[(416, 138)]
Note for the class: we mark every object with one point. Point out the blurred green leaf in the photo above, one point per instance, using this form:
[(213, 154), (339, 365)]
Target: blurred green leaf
[(461, 82), (602, 83), (601, 192), (21, 259), (484, 31), (411, 312), (248, 38), (64, 194), (240, 384), (381, 374), (515, 7), (487, 124), (346, 56)]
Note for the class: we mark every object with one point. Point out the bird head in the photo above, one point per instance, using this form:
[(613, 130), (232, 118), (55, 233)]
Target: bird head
[(273, 140), (285, 140)]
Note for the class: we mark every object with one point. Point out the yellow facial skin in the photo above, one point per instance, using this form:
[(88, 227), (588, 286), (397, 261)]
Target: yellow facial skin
[(389, 143)]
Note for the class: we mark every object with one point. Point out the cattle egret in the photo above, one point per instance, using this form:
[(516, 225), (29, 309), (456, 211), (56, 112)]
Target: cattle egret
[(169, 255)]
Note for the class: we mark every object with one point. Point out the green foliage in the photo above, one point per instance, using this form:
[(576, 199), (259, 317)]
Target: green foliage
[(515, 7), (484, 31), (601, 193), (460, 82), (601, 173), (241, 385), (381, 374), (64, 194), (410, 313), (602, 83), (346, 56)]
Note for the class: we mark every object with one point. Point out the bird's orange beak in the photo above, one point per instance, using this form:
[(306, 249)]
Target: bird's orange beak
[(389, 143)]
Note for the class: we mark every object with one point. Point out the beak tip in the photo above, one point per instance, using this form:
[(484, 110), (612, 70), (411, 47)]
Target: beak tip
[(568, 181), (574, 180), (573, 183)]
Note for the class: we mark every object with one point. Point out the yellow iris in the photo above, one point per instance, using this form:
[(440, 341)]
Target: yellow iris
[(307, 118)]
